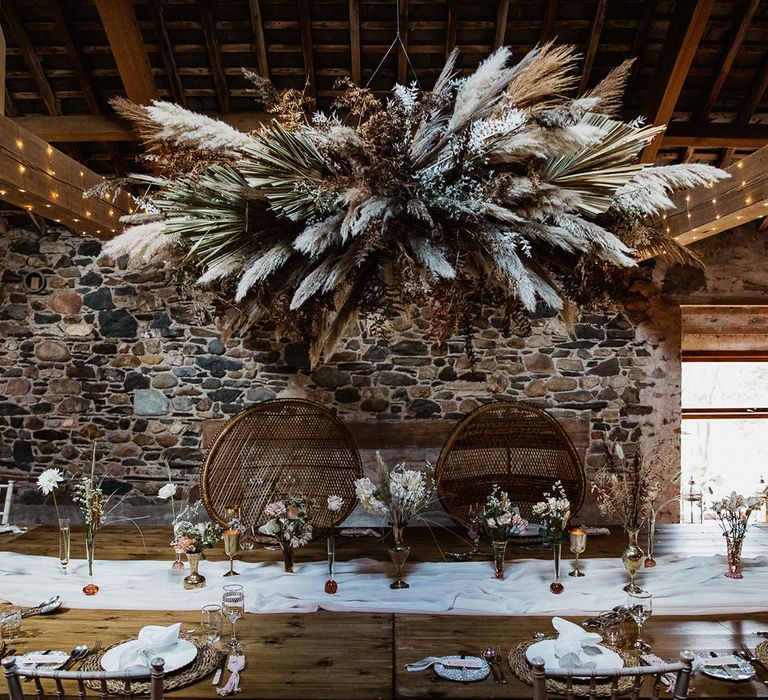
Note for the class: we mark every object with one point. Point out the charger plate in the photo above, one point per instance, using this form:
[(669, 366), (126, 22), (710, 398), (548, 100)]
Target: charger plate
[(518, 664), (206, 662)]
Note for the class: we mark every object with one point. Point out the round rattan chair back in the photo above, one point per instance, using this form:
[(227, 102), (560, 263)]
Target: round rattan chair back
[(276, 448), (519, 447)]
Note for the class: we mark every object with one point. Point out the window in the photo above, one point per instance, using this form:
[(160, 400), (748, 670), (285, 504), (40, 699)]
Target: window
[(724, 437)]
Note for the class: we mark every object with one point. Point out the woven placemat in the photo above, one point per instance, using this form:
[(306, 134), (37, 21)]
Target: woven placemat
[(761, 652), (522, 669), (207, 660)]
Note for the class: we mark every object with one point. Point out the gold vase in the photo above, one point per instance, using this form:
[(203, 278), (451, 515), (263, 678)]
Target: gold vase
[(398, 553), (499, 550), (194, 579), (632, 558)]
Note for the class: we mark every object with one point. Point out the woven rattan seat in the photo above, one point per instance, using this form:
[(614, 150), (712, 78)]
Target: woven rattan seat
[(276, 448), (520, 447)]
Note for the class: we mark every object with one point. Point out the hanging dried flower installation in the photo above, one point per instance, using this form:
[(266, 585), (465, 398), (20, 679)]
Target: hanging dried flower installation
[(496, 188)]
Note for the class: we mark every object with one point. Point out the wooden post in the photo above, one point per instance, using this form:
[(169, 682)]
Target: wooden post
[(2, 72)]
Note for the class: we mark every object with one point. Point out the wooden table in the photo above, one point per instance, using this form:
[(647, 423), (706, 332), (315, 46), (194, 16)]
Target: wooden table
[(356, 655)]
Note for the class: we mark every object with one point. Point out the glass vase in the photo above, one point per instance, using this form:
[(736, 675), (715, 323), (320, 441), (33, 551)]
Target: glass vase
[(287, 556), (177, 565), (64, 543), (398, 553), (632, 558), (331, 586), (499, 550), (90, 588), (194, 579), (556, 586), (733, 555), (650, 533)]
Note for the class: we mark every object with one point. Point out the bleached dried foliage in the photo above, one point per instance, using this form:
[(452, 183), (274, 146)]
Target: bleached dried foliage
[(499, 187)]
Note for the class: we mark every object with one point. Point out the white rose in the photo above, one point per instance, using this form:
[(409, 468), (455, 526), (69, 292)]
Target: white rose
[(167, 491), (505, 519), (335, 503), (490, 522)]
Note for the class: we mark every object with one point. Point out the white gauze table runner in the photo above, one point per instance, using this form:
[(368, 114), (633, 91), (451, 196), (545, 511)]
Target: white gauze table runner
[(680, 585)]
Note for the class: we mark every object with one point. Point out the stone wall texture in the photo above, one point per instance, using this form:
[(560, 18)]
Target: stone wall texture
[(125, 353)]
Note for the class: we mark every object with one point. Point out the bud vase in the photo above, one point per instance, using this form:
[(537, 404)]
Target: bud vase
[(733, 555), (331, 586), (556, 587), (90, 588), (194, 579), (177, 565), (64, 543), (398, 553), (499, 550), (632, 558), (650, 562), (287, 556)]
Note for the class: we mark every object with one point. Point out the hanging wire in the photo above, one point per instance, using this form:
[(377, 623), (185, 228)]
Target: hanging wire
[(397, 40)]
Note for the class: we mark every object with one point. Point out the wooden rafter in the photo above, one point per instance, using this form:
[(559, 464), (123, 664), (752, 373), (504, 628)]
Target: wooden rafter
[(214, 54), (715, 135), (451, 27), (595, 31), (39, 178), (260, 44), (548, 24), (305, 28), (166, 52), (689, 22), (738, 200), (3, 90), (354, 41), (502, 14), (641, 34), (30, 57), (402, 57), (128, 48)]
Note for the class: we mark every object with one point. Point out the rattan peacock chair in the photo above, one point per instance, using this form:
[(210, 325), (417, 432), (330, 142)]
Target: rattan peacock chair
[(276, 448), (519, 447)]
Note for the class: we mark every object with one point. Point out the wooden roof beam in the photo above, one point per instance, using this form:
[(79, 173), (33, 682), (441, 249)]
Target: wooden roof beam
[(30, 57), (305, 28), (260, 44), (689, 22), (354, 41), (402, 56), (3, 89), (214, 54), (738, 200), (39, 178), (502, 15), (641, 34), (128, 48), (594, 40), (452, 27), (166, 53), (548, 24)]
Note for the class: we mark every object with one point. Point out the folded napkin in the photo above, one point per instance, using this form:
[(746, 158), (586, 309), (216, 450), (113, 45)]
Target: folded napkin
[(152, 641), (429, 661), (235, 664), (574, 646)]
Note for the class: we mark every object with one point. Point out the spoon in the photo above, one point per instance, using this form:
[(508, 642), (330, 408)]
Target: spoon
[(79, 652), (489, 655), (47, 606)]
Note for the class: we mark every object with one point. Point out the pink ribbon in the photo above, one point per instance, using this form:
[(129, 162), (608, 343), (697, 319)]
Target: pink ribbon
[(235, 665)]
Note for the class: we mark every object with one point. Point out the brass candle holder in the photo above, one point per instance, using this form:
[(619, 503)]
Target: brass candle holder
[(231, 545), (578, 545)]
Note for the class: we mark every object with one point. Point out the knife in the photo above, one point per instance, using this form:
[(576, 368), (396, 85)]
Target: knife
[(220, 670)]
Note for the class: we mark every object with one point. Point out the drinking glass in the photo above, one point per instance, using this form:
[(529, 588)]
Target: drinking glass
[(10, 622), (231, 540), (233, 605), (211, 622), (248, 540), (640, 607), (578, 545)]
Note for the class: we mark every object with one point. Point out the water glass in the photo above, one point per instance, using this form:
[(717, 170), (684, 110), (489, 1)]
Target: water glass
[(640, 607), (10, 622), (211, 623)]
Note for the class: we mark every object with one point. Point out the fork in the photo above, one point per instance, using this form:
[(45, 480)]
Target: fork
[(501, 668)]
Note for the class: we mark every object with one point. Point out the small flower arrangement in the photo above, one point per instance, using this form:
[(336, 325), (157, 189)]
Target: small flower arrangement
[(289, 521), (497, 519), (48, 483), (554, 512), (193, 532), (733, 513), (397, 495), (90, 500)]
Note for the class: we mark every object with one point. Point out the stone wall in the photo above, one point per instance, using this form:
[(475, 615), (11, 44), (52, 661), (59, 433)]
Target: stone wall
[(125, 353)]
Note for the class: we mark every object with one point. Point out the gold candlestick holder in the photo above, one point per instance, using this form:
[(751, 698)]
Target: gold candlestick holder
[(231, 545)]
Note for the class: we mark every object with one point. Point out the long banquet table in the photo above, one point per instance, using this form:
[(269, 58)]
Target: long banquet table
[(330, 654)]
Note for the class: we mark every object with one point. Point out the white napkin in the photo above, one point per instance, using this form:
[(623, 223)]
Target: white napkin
[(152, 641), (425, 663), (574, 646)]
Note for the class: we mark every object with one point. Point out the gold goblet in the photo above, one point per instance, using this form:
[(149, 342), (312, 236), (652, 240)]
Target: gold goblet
[(231, 543), (578, 545)]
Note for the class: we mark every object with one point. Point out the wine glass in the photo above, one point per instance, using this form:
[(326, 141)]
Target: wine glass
[(231, 539), (578, 545), (211, 622), (248, 541), (640, 607), (233, 606)]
